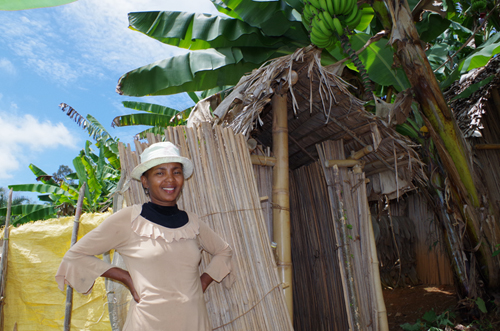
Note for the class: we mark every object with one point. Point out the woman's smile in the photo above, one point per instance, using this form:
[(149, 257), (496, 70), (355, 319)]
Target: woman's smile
[(164, 183)]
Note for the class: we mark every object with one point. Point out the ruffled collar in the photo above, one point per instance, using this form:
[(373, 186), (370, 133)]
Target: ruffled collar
[(146, 228)]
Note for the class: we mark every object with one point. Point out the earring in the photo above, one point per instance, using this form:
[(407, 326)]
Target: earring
[(146, 191)]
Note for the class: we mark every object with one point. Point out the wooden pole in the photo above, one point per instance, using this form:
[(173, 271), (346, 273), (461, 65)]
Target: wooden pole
[(281, 196), (379, 296), (74, 236), (5, 252), (263, 160), (362, 152)]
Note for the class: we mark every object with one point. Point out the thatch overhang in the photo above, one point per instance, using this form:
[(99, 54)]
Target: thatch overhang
[(469, 110), (320, 108)]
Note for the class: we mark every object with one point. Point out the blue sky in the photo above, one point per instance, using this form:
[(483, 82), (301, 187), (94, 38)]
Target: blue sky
[(73, 54)]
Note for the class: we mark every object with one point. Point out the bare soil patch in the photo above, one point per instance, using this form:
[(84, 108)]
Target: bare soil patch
[(406, 305)]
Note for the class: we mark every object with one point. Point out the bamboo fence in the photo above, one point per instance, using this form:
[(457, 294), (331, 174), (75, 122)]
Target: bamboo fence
[(264, 178), (223, 193), (352, 222), (318, 292), (433, 264)]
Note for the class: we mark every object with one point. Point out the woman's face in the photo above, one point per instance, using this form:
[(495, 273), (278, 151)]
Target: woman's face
[(164, 183)]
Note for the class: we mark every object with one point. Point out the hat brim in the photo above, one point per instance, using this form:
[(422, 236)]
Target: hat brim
[(187, 166)]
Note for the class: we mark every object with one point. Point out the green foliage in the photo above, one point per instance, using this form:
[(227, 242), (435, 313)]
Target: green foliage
[(16, 202), (156, 116), (495, 253), (30, 4), (99, 168), (431, 322), (481, 305)]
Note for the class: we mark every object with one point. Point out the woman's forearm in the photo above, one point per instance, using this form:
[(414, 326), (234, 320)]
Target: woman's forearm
[(123, 276)]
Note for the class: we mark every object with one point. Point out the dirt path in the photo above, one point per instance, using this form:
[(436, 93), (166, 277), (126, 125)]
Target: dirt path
[(406, 305)]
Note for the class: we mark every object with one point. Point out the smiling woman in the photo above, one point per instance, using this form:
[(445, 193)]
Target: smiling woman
[(161, 246)]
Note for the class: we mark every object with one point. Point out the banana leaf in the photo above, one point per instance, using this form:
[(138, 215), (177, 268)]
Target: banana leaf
[(42, 175), (194, 97), (148, 119), (30, 212), (30, 4), (377, 59), (194, 71), (478, 59), (150, 108), (200, 31), (432, 26), (41, 188), (82, 175), (45, 212), (275, 17)]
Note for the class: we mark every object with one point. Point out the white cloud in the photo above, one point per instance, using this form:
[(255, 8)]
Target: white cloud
[(88, 38), (22, 137), (7, 66)]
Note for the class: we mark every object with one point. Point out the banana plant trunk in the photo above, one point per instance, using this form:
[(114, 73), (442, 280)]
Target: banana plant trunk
[(452, 147)]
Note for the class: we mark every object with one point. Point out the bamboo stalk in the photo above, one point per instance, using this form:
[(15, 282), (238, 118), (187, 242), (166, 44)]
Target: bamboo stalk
[(74, 237), (487, 146), (362, 152), (263, 160), (5, 254), (281, 196), (379, 296), (342, 163)]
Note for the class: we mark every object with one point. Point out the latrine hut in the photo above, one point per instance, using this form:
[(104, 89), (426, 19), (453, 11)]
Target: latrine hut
[(318, 156)]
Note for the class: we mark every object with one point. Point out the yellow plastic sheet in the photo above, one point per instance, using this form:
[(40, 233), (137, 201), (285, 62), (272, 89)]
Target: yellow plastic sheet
[(32, 299)]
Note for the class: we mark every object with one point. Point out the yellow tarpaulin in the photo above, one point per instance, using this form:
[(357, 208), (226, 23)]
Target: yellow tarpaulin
[(32, 298)]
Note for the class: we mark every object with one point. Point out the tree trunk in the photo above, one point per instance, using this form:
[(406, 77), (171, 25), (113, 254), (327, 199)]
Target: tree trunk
[(452, 148)]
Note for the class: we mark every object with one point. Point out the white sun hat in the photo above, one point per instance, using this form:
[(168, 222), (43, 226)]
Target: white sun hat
[(159, 153)]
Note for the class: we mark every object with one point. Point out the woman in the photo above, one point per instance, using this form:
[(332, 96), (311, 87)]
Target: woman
[(160, 246)]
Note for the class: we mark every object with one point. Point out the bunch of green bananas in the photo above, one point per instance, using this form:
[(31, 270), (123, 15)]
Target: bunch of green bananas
[(326, 20), (478, 6)]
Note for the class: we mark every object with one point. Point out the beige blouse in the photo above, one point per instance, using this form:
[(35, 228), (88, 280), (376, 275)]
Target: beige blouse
[(162, 262)]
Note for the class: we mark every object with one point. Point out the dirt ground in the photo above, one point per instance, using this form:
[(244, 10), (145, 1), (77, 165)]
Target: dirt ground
[(406, 305)]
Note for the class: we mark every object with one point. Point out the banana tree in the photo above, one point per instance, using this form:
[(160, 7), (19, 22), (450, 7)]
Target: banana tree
[(222, 49), (100, 171)]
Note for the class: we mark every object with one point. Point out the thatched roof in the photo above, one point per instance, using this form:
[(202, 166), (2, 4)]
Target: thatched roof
[(320, 107), (469, 110)]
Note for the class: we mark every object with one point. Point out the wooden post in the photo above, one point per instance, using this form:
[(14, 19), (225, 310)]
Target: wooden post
[(281, 196), (263, 160), (74, 236), (5, 253)]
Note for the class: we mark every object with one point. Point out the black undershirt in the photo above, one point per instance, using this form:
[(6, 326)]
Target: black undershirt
[(167, 216)]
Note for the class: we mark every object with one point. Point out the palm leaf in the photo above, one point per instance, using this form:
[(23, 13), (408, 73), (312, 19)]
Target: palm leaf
[(200, 31), (194, 71)]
